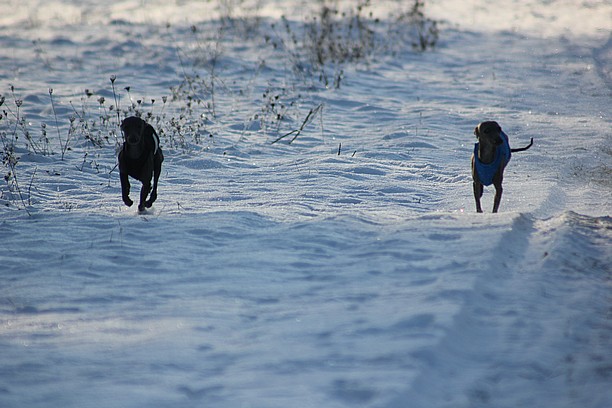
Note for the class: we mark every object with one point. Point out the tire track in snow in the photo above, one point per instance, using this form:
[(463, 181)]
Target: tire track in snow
[(536, 330)]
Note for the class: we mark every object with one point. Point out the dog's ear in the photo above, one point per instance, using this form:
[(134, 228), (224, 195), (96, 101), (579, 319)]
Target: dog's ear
[(147, 130)]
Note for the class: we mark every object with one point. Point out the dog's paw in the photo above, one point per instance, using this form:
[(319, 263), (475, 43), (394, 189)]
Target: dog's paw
[(127, 201), (151, 199)]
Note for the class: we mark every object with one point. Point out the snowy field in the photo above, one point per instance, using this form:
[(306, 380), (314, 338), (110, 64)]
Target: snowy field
[(347, 268)]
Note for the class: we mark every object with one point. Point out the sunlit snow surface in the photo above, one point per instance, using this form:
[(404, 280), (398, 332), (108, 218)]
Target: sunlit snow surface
[(346, 269)]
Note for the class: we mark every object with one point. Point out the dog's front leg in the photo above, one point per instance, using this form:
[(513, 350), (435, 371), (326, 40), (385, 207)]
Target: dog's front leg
[(478, 188), (125, 189), (498, 194), (144, 192), (153, 197), (497, 182), (157, 162)]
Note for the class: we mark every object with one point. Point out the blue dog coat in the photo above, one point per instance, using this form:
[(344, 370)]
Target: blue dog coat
[(486, 172)]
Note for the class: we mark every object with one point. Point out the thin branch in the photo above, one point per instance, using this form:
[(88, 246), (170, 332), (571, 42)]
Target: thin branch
[(296, 132)]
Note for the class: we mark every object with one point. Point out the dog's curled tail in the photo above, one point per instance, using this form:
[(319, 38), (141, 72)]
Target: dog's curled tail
[(522, 149)]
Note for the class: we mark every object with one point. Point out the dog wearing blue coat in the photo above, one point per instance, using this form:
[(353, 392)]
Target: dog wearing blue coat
[(491, 155)]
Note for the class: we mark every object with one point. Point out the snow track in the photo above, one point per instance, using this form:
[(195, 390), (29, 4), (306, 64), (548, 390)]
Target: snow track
[(537, 315)]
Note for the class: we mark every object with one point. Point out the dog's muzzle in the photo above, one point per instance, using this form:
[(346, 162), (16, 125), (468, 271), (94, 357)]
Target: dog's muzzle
[(132, 139)]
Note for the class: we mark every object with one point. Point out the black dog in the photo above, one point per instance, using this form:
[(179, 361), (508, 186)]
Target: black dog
[(491, 155), (141, 158)]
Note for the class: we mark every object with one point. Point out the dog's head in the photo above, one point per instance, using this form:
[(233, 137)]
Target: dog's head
[(489, 132), (133, 129)]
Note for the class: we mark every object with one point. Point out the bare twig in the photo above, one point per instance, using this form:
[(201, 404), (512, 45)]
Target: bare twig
[(8, 155), (112, 79), (56, 124), (30, 187), (296, 132)]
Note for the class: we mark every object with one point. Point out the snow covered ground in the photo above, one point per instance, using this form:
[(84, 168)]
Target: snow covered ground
[(345, 269)]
